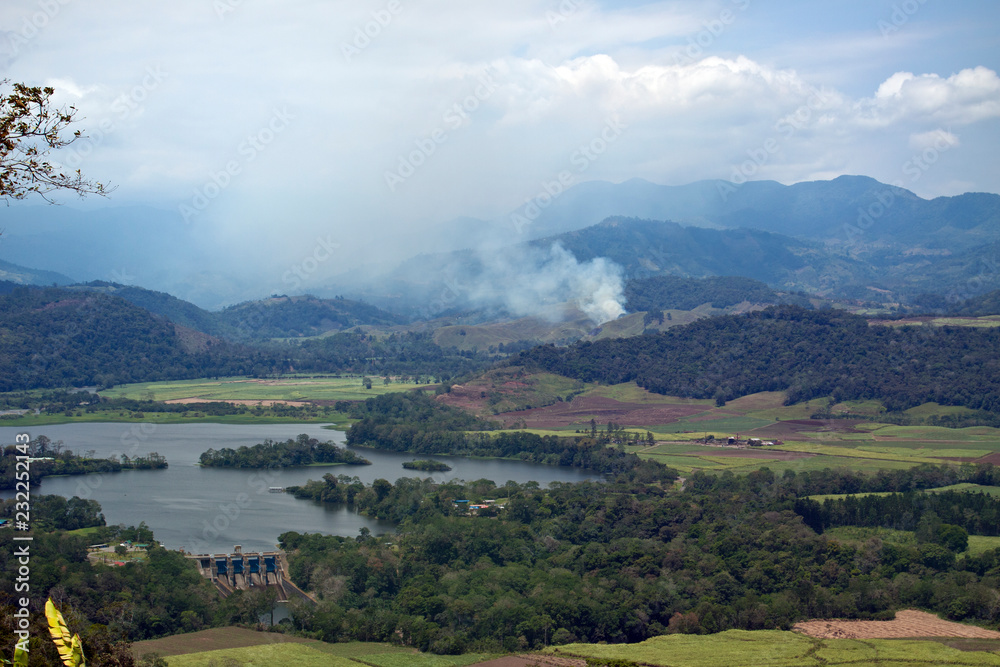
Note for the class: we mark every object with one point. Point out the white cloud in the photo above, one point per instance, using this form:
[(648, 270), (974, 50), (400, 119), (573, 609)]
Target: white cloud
[(557, 84), (969, 96)]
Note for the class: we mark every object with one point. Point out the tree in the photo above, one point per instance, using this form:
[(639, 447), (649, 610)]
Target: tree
[(30, 127)]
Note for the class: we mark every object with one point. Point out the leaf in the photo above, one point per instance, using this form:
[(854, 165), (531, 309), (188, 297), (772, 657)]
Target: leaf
[(69, 647)]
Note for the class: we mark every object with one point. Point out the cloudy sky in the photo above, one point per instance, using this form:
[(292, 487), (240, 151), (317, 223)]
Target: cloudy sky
[(278, 120)]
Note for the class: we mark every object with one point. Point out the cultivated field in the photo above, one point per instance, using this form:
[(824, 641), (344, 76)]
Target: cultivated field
[(774, 648), (239, 646), (251, 390), (908, 623)]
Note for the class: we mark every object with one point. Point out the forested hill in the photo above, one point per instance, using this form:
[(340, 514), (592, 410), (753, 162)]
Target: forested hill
[(55, 337), (808, 353), (274, 317), (678, 293), (176, 310), (293, 316)]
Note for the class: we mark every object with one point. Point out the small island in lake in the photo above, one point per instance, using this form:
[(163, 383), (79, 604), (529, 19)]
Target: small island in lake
[(302, 451), (43, 458), (427, 466)]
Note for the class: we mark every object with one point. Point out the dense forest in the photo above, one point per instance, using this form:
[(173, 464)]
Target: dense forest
[(54, 337), (809, 354), (300, 451), (678, 293), (620, 561), (419, 424)]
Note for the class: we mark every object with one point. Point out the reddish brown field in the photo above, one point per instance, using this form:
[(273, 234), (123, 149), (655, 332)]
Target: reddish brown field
[(785, 430), (908, 624), (212, 640), (237, 401), (584, 408)]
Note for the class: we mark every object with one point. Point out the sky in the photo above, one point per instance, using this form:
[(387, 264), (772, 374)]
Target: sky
[(352, 130)]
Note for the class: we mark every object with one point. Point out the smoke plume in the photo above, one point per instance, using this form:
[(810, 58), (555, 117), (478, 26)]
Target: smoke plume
[(528, 280)]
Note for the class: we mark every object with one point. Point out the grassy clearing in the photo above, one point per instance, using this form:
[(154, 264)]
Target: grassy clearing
[(786, 412), (925, 452), (774, 648), (721, 427), (270, 655), (424, 660), (934, 410), (630, 392), (213, 640), (249, 389), (858, 535), (972, 488), (84, 532), (932, 433), (360, 649), (847, 452)]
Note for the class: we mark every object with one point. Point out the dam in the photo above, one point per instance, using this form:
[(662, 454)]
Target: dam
[(235, 571)]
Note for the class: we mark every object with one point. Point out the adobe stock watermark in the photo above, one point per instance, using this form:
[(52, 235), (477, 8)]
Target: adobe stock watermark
[(562, 13), (449, 296), (130, 440), (364, 34), (248, 151), (939, 142), (760, 156), (231, 512), (984, 280), (580, 160), (33, 24), (457, 116), (224, 7), (900, 16), (299, 272), (123, 107), (712, 30)]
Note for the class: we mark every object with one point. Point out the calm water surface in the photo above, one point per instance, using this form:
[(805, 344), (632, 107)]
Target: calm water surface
[(212, 509)]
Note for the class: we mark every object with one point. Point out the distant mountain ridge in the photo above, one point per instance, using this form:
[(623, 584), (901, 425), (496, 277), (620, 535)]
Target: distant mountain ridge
[(274, 317), (22, 275), (847, 209)]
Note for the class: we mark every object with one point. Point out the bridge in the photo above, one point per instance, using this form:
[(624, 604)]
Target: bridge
[(246, 571)]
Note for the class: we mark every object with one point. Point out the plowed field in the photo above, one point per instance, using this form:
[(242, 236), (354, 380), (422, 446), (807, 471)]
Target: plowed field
[(908, 624)]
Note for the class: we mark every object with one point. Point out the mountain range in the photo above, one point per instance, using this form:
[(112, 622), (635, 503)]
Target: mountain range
[(850, 237)]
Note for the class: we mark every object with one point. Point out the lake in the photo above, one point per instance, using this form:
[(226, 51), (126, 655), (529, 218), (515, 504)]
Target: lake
[(213, 509)]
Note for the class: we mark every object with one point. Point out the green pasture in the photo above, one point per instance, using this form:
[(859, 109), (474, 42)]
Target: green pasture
[(775, 648), (858, 535), (341, 419), (248, 389), (965, 487), (972, 488), (630, 392), (267, 655), (240, 646)]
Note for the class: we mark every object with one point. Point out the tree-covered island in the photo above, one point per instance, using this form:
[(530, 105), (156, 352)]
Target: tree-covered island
[(301, 451)]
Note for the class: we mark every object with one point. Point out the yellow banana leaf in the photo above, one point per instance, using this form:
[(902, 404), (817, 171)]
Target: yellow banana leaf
[(69, 647)]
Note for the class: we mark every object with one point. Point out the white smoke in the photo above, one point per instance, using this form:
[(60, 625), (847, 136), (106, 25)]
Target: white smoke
[(535, 281)]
